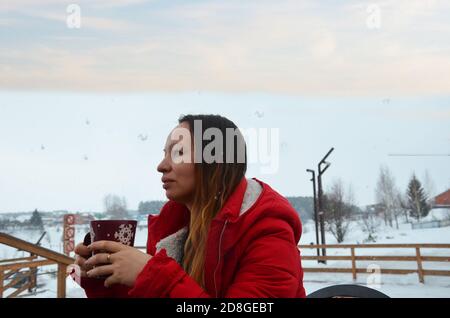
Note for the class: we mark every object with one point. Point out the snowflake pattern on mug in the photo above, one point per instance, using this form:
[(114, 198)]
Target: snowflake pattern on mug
[(125, 234)]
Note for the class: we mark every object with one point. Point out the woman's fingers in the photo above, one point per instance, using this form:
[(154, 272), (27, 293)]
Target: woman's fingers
[(107, 246), (100, 259), (82, 253), (81, 262), (106, 270), (82, 250), (111, 280)]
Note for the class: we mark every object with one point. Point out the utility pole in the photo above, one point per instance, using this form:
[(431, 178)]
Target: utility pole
[(320, 199), (316, 212)]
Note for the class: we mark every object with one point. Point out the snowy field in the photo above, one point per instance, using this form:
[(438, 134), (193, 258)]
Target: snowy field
[(393, 285)]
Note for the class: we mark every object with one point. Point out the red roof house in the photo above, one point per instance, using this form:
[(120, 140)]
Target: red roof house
[(442, 200)]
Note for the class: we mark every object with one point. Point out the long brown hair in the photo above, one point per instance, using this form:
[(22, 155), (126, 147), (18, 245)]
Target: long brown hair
[(215, 182)]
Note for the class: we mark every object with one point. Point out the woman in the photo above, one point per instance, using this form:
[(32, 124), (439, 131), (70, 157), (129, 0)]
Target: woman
[(220, 235)]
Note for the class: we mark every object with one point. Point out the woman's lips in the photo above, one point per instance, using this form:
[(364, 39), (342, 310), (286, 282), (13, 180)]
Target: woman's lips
[(167, 184)]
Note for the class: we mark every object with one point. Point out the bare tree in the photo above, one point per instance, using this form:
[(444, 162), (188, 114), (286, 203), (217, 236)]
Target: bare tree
[(339, 207), (403, 206), (396, 206), (387, 196), (370, 224), (115, 206), (429, 187)]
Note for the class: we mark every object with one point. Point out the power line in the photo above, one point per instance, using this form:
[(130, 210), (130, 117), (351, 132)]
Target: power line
[(418, 155)]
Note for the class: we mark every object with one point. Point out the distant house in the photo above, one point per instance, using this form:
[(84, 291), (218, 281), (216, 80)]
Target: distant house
[(439, 215), (83, 218), (442, 200)]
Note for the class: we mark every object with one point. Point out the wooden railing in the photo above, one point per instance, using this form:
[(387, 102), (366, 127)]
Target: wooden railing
[(17, 276), (354, 258), (46, 257)]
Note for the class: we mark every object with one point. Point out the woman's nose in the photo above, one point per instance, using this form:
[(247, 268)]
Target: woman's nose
[(163, 166)]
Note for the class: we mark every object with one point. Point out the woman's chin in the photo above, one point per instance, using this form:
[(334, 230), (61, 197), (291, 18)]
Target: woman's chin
[(170, 195)]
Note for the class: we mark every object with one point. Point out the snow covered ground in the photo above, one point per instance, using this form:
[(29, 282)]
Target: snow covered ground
[(392, 285)]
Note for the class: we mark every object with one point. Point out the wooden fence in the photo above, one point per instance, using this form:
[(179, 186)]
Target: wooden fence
[(353, 258), (39, 256)]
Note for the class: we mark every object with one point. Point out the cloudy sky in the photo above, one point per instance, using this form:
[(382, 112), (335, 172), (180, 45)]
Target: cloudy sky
[(297, 47), (369, 78)]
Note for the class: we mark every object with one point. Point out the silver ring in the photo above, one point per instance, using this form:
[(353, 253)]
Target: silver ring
[(108, 258)]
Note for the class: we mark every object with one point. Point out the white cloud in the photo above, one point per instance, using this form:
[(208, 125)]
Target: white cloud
[(87, 22), (296, 47), (117, 3), (8, 22), (17, 5)]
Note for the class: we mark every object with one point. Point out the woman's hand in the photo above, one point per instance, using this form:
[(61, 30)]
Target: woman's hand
[(123, 263), (82, 254)]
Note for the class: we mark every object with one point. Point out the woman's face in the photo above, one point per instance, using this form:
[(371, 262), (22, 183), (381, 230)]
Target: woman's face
[(177, 166)]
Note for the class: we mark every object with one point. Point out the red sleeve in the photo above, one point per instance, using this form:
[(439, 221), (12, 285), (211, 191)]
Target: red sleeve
[(95, 288), (163, 277), (270, 267)]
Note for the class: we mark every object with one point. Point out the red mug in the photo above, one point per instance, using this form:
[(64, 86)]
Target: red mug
[(121, 231)]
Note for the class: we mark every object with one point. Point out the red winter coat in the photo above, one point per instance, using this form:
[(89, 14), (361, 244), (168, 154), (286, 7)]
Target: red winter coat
[(249, 255)]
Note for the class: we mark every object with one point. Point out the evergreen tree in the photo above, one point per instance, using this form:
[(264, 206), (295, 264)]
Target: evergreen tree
[(150, 207), (417, 200), (36, 220), (3, 224)]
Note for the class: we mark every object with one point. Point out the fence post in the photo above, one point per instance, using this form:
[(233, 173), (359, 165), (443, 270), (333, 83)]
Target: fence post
[(61, 292), (1, 282), (419, 265), (353, 263), (32, 279)]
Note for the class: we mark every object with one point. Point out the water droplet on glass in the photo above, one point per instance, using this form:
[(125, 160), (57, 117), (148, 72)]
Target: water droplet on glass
[(143, 137), (259, 114)]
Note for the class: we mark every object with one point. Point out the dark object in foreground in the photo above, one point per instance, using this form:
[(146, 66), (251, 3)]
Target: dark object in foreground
[(347, 291), (87, 240)]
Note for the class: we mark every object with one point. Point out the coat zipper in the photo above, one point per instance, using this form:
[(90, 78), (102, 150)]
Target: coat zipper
[(220, 258)]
